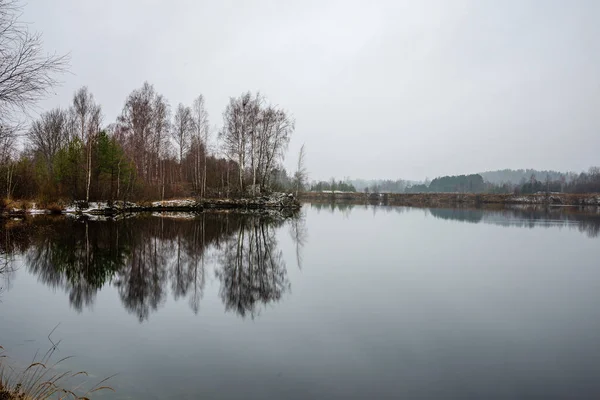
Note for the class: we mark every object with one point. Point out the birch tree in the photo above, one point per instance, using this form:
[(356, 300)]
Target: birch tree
[(200, 140), (88, 116), (182, 130), (234, 134), (301, 174), (7, 149), (145, 124), (255, 134), (48, 135)]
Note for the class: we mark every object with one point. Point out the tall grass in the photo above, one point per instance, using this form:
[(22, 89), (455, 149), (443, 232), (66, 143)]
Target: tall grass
[(42, 380)]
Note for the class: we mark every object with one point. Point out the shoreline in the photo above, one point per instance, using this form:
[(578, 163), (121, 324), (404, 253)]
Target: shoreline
[(278, 202), (455, 199)]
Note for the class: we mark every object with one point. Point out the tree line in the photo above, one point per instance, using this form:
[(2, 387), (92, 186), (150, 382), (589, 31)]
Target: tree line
[(554, 182), (584, 182), (460, 183), (332, 185), (149, 152)]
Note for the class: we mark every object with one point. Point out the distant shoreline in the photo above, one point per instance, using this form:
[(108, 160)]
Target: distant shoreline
[(455, 199)]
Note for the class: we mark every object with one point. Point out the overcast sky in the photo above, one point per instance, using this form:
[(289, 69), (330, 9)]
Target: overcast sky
[(389, 89)]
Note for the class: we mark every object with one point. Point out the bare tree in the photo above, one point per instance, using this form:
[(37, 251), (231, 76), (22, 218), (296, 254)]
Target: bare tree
[(253, 120), (275, 137), (26, 72), (160, 130), (200, 139), (48, 134), (183, 128), (83, 101), (237, 131), (7, 149), (87, 117), (255, 132), (145, 123), (301, 174)]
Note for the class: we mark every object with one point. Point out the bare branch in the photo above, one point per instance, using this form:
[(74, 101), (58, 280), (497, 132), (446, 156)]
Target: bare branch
[(26, 73)]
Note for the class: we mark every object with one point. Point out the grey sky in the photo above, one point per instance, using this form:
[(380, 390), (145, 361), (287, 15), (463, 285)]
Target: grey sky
[(395, 89)]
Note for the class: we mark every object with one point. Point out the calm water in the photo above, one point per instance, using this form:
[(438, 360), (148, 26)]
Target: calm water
[(345, 302)]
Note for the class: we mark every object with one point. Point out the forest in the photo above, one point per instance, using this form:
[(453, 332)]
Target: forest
[(493, 182), (585, 182), (149, 152)]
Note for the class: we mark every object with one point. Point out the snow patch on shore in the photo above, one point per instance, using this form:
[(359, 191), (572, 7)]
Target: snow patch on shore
[(175, 203)]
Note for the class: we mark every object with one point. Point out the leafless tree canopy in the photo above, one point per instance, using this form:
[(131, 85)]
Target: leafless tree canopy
[(255, 135), (301, 174), (146, 154), (7, 138), (145, 123), (183, 128), (199, 145), (87, 116), (26, 72), (49, 134)]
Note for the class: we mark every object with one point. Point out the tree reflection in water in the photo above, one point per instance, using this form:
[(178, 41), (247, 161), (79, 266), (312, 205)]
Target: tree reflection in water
[(147, 256), (586, 220), (252, 270)]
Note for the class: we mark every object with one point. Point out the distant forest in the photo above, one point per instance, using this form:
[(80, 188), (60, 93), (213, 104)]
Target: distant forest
[(518, 176), (503, 181)]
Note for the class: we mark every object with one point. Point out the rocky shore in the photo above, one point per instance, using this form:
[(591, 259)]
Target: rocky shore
[(282, 202)]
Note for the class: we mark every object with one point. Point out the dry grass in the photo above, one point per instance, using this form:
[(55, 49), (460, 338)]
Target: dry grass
[(55, 207), (21, 205), (41, 380)]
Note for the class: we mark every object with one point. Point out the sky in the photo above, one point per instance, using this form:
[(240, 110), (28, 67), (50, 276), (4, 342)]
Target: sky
[(378, 89)]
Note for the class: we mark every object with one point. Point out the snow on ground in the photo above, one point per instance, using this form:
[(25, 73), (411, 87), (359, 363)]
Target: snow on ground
[(34, 210), (92, 206), (174, 215), (175, 203), (523, 200)]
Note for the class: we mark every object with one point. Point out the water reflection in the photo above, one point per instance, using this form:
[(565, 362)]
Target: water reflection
[(346, 207), (147, 257), (252, 270), (586, 219)]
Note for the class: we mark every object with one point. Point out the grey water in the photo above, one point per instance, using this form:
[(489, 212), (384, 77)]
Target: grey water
[(341, 302)]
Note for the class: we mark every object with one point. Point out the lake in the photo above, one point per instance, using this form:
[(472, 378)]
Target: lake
[(344, 302)]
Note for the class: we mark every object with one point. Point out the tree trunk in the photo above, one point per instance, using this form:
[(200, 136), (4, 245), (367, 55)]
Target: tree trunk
[(253, 163), (8, 181), (241, 168), (204, 177), (89, 170), (162, 197), (118, 177)]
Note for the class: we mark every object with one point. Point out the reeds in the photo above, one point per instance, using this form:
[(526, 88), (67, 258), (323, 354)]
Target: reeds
[(42, 380)]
